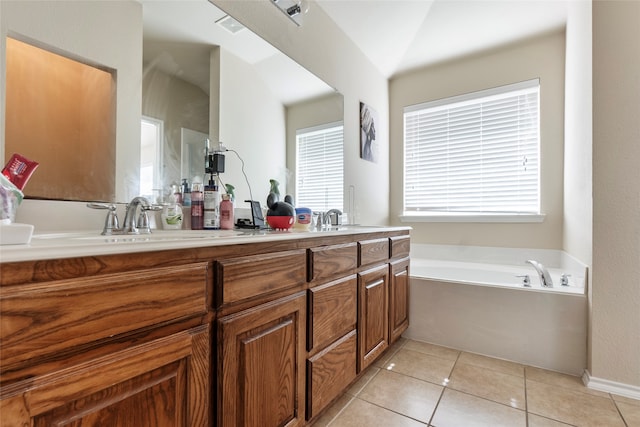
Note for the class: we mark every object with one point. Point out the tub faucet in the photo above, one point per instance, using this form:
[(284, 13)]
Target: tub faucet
[(545, 277)]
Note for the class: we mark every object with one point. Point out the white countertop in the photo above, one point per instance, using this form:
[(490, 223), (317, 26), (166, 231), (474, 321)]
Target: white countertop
[(84, 243)]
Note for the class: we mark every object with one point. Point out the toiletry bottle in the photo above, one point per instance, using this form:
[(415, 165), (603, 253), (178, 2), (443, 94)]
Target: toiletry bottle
[(186, 193), (197, 206), (176, 192), (226, 213), (211, 205)]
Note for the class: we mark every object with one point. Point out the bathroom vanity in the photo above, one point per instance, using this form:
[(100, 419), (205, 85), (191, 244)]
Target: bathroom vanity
[(253, 329)]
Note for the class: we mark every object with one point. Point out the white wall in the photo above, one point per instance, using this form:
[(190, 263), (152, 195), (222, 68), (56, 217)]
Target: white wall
[(252, 122), (111, 37), (578, 202), (322, 48), (543, 58), (615, 321)]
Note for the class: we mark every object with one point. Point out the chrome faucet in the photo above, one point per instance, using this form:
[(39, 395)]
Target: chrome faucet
[(335, 216), (545, 277), (141, 225), (329, 218)]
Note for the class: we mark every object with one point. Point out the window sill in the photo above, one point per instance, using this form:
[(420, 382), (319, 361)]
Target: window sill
[(452, 217)]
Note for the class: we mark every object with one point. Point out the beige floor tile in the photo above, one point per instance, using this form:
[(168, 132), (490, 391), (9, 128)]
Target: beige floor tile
[(561, 380), (421, 366), (364, 414), (432, 349), (368, 374), (499, 365), (332, 411), (489, 384), (458, 409), (384, 359), (630, 413), (406, 395), (538, 421), (630, 401), (572, 407)]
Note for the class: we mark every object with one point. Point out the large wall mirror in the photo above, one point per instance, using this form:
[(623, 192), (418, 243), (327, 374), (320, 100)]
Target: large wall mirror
[(201, 75)]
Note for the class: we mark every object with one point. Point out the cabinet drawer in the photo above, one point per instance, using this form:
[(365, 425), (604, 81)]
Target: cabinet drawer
[(45, 318), (330, 372), (330, 261), (333, 311), (373, 251), (400, 246), (246, 277)]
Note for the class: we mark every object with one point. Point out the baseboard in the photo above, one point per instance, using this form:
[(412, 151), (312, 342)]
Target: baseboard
[(620, 389)]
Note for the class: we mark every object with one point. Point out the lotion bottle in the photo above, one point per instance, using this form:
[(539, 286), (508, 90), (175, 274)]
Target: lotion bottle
[(226, 213), (197, 206)]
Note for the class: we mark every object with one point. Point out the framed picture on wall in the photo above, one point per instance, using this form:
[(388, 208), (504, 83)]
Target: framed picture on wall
[(368, 123)]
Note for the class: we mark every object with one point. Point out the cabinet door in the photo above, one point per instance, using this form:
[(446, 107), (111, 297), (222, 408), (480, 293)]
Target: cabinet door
[(373, 315), (161, 383), (398, 299), (261, 362)]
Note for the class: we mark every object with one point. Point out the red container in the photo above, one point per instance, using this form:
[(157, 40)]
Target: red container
[(280, 222)]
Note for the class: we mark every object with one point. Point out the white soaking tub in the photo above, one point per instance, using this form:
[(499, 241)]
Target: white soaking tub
[(471, 299)]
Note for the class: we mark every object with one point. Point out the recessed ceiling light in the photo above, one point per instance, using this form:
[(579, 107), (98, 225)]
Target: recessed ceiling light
[(230, 24)]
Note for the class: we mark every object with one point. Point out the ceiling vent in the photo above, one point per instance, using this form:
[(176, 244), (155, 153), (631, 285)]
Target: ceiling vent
[(230, 24)]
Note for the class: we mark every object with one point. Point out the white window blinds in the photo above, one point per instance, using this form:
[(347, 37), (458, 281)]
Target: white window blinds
[(319, 167), (475, 154)]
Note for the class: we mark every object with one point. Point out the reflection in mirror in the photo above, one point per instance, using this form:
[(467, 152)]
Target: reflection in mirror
[(60, 113), (195, 75)]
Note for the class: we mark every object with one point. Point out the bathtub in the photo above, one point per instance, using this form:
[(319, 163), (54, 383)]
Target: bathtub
[(469, 298)]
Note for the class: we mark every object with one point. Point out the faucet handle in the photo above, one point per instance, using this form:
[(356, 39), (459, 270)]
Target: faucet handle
[(526, 280), (564, 279), (111, 223)]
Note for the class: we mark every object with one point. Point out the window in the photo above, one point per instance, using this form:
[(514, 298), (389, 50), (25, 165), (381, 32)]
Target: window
[(475, 154), (319, 167), (150, 155)]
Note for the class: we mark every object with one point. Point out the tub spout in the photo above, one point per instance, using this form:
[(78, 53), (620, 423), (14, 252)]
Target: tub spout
[(545, 277)]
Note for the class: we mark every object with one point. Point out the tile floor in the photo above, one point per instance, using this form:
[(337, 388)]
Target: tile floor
[(420, 384)]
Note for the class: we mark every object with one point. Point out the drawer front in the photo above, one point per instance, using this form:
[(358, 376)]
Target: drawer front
[(373, 251), (331, 261), (241, 278), (330, 372), (49, 317), (400, 246), (333, 311)]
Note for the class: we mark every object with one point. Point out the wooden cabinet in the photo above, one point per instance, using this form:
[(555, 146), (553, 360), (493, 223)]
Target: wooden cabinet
[(373, 314), (261, 359), (122, 349), (398, 299), (332, 341), (130, 339), (160, 383)]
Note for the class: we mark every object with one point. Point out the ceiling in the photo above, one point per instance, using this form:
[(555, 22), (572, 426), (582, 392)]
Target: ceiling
[(396, 35), (399, 35), (179, 34)]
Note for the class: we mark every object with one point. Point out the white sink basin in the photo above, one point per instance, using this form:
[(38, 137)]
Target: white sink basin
[(155, 236)]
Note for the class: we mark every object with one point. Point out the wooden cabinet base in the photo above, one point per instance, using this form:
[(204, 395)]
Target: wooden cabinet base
[(261, 353), (160, 383), (330, 372)]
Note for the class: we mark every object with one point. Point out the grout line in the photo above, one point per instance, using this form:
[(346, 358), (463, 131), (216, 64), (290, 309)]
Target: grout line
[(394, 411), (618, 409), (433, 414), (341, 410), (526, 397)]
